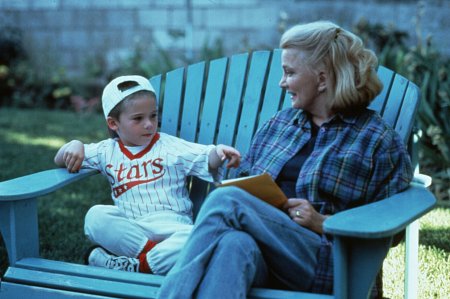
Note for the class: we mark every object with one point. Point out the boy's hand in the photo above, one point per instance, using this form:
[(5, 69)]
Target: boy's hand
[(71, 155), (227, 152)]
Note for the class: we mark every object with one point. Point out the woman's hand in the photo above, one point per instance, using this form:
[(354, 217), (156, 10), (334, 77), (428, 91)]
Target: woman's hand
[(303, 213)]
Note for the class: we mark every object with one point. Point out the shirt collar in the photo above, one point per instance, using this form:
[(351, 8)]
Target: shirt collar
[(347, 118), (302, 118), (140, 154)]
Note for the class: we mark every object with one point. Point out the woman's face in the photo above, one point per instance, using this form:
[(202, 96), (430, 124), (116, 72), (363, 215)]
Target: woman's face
[(301, 81)]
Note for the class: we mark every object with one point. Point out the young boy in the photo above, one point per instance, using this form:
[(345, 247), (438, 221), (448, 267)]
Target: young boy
[(152, 214)]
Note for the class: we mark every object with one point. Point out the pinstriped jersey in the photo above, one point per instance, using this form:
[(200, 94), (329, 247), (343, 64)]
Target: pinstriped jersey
[(151, 178)]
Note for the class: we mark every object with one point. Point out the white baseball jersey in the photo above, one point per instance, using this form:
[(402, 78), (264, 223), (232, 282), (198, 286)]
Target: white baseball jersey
[(151, 178)]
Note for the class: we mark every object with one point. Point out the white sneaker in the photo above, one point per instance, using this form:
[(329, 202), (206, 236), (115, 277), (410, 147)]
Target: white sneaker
[(99, 257)]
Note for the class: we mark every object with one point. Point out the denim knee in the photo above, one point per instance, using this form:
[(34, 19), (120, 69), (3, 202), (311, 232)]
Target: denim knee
[(242, 244), (223, 196), (239, 239)]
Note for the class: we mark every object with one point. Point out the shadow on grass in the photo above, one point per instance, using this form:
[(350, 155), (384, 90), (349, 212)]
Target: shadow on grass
[(439, 238), (435, 227)]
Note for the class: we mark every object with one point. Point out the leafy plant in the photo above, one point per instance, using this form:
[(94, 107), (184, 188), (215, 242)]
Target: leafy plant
[(11, 50), (24, 84), (424, 65)]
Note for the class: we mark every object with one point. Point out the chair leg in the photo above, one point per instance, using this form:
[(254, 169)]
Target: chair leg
[(412, 260), (357, 263), (19, 229)]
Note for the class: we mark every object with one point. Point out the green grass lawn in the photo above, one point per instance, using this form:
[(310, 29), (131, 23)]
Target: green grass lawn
[(29, 140)]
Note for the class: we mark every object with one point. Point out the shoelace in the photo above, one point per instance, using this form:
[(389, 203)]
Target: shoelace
[(123, 263)]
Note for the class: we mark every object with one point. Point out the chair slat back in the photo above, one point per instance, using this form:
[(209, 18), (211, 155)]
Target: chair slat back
[(386, 76), (240, 93), (192, 99), (398, 102), (394, 100), (408, 110), (212, 102), (231, 102), (251, 100), (171, 102)]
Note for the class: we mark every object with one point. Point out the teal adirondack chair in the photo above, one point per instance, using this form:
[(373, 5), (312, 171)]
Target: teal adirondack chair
[(222, 101)]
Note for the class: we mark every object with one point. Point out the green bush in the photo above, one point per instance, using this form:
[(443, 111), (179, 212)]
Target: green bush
[(424, 65), (25, 85)]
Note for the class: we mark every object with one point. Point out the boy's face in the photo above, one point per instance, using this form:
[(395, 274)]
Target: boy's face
[(138, 122)]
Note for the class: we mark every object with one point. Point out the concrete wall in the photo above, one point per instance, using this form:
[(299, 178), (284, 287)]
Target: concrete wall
[(69, 32)]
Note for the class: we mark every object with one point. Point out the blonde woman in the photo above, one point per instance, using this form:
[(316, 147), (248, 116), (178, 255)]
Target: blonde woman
[(328, 153)]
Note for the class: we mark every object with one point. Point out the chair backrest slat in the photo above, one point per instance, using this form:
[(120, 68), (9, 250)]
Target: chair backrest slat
[(172, 101), (394, 100), (386, 76), (274, 94), (251, 102), (212, 102), (156, 83), (231, 103), (410, 105), (192, 98)]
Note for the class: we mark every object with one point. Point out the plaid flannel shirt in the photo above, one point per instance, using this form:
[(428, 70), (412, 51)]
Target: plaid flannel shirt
[(356, 160)]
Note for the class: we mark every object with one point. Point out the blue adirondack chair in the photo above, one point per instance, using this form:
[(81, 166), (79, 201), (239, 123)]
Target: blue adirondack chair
[(222, 101)]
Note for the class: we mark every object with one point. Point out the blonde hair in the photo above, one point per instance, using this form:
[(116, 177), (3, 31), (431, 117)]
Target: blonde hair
[(351, 67)]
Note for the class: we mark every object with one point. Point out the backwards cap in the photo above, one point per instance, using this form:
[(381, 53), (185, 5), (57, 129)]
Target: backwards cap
[(113, 94)]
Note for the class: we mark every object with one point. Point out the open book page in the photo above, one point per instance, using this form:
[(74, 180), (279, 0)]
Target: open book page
[(261, 186)]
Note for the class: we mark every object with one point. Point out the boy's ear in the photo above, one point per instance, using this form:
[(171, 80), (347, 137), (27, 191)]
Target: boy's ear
[(112, 123)]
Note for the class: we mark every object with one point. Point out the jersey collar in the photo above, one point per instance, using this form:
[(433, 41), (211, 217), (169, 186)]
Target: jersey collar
[(132, 156)]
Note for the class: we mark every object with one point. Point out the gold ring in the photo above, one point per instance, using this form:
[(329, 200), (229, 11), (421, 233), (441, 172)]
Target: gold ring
[(297, 213)]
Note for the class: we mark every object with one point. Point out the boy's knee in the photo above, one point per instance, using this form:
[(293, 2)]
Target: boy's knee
[(96, 217), (94, 214)]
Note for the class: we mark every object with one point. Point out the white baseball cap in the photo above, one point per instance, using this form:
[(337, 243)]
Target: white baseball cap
[(113, 94)]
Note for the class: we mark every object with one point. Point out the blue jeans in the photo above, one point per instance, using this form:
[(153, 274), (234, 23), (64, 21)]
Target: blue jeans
[(239, 241)]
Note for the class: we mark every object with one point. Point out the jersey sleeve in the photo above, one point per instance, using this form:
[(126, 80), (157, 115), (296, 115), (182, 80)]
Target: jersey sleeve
[(94, 154), (195, 159)]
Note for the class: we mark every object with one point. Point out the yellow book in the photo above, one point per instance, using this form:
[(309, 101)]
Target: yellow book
[(261, 186)]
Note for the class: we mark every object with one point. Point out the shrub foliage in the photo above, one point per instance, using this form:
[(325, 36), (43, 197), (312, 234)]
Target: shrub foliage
[(24, 85)]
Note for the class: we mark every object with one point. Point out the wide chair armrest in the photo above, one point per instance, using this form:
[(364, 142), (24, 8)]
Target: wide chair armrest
[(363, 236), (18, 208), (382, 218), (40, 183)]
